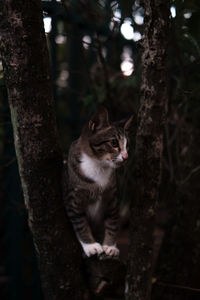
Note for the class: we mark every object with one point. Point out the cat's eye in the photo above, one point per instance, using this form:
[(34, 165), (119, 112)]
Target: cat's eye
[(114, 143)]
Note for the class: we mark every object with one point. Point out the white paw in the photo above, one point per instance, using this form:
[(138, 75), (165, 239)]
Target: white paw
[(111, 250), (92, 249)]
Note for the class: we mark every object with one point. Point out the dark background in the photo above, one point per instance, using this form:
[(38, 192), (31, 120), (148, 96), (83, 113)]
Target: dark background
[(94, 50)]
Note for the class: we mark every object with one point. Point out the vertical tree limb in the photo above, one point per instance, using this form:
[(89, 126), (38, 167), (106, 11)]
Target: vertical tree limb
[(25, 59), (149, 144)]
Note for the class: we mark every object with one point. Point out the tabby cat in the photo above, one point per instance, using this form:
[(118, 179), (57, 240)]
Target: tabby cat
[(92, 204)]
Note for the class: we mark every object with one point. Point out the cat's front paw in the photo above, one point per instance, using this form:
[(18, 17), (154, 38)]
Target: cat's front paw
[(92, 249), (111, 250)]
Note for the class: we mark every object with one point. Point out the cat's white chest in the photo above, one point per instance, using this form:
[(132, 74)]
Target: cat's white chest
[(92, 169)]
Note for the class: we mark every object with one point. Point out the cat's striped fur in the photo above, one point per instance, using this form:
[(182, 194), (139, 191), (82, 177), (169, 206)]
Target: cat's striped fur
[(92, 203)]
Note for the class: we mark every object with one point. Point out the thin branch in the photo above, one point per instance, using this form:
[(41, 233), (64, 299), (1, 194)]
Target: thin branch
[(195, 170), (8, 163), (178, 286)]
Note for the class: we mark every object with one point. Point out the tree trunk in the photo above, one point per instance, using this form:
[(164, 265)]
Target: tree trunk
[(149, 144), (26, 68)]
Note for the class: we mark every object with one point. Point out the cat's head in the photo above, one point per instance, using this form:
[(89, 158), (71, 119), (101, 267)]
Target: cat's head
[(106, 141)]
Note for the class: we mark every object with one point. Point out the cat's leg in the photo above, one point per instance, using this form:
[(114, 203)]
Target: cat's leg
[(111, 229), (109, 243), (84, 235), (81, 227)]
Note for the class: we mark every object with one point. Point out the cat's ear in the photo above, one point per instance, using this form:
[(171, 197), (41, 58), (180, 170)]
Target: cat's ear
[(129, 123), (99, 120)]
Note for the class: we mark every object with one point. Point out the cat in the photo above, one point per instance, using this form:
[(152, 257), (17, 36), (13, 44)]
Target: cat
[(92, 203)]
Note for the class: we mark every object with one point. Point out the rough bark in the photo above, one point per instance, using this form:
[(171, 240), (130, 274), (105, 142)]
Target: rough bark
[(149, 144), (26, 68)]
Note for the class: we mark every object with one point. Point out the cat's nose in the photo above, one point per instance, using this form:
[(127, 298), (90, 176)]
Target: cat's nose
[(125, 156)]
